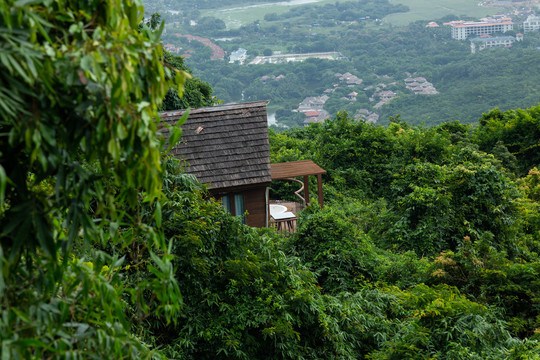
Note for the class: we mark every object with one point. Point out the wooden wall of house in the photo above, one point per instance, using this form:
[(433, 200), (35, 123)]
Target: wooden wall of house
[(255, 203)]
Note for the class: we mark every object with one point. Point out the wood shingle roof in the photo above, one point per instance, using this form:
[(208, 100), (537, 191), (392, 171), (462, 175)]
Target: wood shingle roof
[(225, 146)]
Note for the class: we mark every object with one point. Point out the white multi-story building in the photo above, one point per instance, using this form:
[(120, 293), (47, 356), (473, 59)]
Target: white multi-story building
[(531, 24), (489, 42), (462, 30)]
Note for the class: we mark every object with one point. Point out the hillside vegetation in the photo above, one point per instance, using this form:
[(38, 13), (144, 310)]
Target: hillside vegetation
[(427, 247), (382, 56)]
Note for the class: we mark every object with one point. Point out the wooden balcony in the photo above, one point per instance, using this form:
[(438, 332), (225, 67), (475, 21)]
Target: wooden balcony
[(283, 214)]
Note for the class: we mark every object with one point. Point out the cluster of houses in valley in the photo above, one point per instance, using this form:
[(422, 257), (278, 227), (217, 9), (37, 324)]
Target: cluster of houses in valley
[(382, 93), (349, 79), (383, 96), (420, 86), (313, 108)]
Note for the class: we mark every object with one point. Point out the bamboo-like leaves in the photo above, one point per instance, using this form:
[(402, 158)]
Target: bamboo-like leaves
[(79, 91)]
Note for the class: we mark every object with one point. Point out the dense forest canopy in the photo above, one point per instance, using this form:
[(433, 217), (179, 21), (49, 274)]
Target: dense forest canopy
[(427, 247)]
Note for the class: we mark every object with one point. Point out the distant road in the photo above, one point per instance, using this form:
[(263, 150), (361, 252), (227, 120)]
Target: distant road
[(217, 52)]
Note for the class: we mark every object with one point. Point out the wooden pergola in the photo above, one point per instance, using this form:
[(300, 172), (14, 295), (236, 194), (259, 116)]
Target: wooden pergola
[(303, 168)]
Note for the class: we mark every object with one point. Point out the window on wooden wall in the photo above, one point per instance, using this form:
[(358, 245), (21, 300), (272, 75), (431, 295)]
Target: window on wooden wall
[(234, 203)]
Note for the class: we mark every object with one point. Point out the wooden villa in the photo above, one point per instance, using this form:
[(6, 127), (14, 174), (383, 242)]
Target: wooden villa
[(227, 148)]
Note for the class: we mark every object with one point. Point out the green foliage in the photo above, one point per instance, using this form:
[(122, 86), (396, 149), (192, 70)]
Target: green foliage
[(81, 86), (86, 104), (84, 317), (247, 299), (427, 247), (443, 324), (474, 226), (250, 298), (438, 189), (436, 206), (487, 275), (517, 132), (335, 250), (196, 93)]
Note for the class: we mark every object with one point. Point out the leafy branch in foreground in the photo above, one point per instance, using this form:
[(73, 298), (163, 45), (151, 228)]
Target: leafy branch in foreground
[(80, 87)]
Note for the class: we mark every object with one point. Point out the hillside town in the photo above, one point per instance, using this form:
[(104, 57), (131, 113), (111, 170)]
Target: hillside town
[(366, 93)]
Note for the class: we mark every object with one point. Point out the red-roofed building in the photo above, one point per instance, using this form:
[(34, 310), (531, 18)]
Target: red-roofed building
[(462, 30)]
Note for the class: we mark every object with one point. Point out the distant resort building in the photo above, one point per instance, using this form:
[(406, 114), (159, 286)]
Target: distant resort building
[(386, 95), (531, 24), (487, 41), (461, 30), (239, 55), (432, 24), (285, 58)]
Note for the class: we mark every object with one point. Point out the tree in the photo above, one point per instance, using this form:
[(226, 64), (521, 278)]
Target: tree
[(511, 136), (80, 87), (197, 93)]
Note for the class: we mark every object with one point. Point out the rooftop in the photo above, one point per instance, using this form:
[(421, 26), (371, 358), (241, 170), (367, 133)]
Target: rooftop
[(478, 24), (295, 169), (225, 146)]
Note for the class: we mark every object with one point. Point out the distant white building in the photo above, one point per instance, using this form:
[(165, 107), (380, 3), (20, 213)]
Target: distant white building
[(480, 43), (461, 30), (531, 24), (285, 58), (239, 55)]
